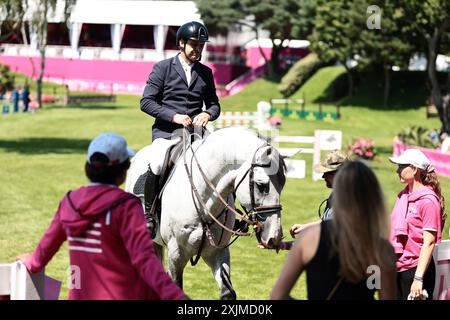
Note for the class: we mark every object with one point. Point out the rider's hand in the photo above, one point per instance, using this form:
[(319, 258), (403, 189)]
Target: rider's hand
[(182, 119), (201, 119), (296, 229)]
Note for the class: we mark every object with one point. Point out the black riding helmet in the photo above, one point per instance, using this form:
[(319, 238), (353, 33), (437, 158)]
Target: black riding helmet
[(192, 30)]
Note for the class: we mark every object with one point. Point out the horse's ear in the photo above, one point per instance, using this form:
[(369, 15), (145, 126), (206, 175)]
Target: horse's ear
[(262, 156)]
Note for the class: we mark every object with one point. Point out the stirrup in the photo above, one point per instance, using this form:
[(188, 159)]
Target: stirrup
[(151, 225)]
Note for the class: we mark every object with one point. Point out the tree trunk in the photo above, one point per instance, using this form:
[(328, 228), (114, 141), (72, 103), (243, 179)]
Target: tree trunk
[(350, 80), (432, 42), (387, 84), (41, 76), (446, 111), (274, 64), (261, 51)]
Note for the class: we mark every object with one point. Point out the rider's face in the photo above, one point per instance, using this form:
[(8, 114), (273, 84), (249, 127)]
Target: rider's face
[(193, 50)]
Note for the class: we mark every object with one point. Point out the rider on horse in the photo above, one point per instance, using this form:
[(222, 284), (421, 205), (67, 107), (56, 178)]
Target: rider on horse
[(176, 91)]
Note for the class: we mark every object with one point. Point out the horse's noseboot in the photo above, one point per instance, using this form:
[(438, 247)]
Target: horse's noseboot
[(150, 193)]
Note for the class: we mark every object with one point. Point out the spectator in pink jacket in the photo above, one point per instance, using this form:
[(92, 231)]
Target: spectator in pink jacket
[(416, 224), (110, 248)]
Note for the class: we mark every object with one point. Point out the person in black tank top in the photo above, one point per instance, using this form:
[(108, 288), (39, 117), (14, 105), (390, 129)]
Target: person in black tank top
[(341, 254), (325, 266)]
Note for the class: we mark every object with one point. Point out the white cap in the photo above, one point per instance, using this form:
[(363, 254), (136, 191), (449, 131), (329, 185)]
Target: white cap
[(414, 157), (111, 145)]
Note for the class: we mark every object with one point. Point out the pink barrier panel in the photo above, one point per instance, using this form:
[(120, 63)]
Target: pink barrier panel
[(441, 161), (243, 81), (225, 73), (92, 70), (105, 71)]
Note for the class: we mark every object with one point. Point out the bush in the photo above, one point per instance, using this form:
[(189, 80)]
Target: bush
[(362, 148), (418, 136), (6, 79), (299, 73)]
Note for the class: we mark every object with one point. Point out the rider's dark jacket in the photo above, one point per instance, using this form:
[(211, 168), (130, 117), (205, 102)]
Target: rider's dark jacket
[(167, 94)]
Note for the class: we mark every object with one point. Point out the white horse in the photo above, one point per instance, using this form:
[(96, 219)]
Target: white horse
[(195, 219)]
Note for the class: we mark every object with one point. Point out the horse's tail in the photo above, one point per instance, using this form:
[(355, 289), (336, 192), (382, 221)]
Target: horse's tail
[(159, 250)]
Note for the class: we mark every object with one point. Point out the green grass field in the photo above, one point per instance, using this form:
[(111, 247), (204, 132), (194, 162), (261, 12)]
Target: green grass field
[(43, 154)]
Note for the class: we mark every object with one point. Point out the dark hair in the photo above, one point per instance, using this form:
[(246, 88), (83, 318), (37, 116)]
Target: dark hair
[(97, 170), (359, 228)]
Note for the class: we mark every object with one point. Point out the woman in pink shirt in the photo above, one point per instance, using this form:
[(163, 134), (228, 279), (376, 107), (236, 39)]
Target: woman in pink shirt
[(110, 248), (416, 224)]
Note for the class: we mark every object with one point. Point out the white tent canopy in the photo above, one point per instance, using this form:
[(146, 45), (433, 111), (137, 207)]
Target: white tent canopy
[(137, 12), (169, 13), (117, 14)]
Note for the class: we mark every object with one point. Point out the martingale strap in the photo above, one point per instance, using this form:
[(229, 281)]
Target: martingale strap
[(217, 193)]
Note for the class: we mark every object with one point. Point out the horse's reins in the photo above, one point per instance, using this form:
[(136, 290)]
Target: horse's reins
[(254, 213), (217, 193)]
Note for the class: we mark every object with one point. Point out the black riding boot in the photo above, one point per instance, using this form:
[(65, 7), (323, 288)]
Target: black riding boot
[(150, 193)]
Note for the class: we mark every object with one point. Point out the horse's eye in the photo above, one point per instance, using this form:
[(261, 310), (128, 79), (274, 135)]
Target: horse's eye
[(263, 188)]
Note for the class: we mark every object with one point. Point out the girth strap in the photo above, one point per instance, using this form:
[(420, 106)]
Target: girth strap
[(199, 252)]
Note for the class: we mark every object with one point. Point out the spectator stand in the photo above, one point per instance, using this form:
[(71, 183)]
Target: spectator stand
[(296, 109)]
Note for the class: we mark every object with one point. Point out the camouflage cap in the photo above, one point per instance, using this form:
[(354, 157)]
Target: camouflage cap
[(332, 162)]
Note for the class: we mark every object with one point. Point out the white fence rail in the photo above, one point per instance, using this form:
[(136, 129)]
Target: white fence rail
[(16, 283), (254, 120), (326, 140)]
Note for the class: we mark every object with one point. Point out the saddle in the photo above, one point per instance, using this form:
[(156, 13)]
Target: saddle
[(172, 155)]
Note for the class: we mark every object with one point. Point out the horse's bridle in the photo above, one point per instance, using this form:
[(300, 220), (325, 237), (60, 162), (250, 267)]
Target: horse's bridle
[(257, 214)]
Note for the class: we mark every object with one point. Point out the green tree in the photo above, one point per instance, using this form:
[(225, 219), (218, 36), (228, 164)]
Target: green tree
[(337, 33), (430, 19), (386, 45), (305, 18), (6, 79), (39, 25), (11, 15), (275, 16), (38, 22)]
